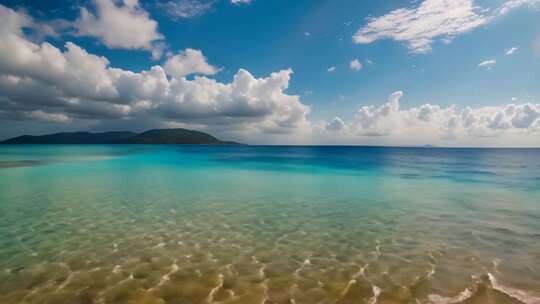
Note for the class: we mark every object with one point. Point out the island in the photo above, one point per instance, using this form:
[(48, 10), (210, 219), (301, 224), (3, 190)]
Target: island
[(157, 136)]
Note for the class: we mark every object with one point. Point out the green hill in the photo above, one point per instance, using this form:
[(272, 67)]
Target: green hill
[(157, 136)]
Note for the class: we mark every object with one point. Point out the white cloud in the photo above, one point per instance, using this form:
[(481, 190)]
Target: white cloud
[(418, 27), (188, 62), (185, 8), (388, 123), (488, 64), (123, 26), (514, 4), (42, 82), (369, 119), (331, 69), (355, 65), (511, 51), (241, 2), (158, 49), (69, 86), (336, 125)]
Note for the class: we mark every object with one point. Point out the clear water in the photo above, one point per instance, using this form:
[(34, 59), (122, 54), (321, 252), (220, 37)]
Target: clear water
[(196, 224)]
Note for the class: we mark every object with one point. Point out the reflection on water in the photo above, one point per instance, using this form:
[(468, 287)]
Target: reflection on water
[(117, 224)]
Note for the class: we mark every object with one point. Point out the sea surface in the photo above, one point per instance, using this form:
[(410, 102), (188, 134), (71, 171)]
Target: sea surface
[(248, 224)]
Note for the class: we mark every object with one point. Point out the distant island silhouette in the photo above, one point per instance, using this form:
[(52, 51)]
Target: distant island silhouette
[(156, 136)]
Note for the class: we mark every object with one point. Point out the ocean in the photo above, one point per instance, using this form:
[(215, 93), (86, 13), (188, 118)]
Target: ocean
[(268, 224)]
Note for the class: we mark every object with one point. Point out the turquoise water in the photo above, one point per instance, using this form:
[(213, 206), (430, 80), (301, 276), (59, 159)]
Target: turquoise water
[(205, 224)]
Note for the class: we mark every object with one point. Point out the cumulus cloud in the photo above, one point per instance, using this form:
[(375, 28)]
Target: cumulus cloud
[(355, 65), (41, 81), (188, 62), (246, 100), (123, 25), (488, 64), (429, 123), (179, 9), (335, 125), (418, 27), (378, 121)]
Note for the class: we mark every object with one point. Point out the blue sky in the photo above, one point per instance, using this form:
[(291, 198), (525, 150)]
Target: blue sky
[(316, 40)]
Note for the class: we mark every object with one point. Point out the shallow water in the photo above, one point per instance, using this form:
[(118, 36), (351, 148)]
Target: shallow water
[(196, 224)]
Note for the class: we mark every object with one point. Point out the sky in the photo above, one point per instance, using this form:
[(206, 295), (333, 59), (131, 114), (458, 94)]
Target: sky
[(432, 72)]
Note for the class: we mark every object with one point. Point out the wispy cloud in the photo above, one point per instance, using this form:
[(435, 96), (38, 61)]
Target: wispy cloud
[(511, 50), (514, 4), (331, 69), (241, 1), (488, 64), (182, 9), (418, 27)]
